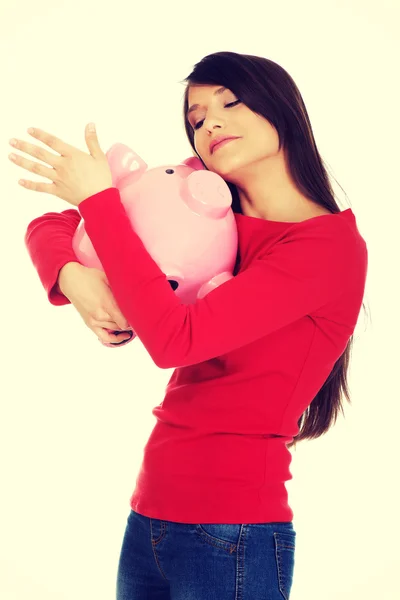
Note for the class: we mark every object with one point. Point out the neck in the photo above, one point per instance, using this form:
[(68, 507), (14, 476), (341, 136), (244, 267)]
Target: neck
[(267, 191)]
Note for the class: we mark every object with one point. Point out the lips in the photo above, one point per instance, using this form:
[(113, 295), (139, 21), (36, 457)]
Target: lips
[(220, 139)]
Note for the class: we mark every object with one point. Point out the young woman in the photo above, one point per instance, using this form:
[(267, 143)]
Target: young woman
[(260, 362)]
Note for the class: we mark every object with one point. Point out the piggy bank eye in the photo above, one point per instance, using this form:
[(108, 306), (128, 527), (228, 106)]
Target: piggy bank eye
[(170, 171), (174, 284)]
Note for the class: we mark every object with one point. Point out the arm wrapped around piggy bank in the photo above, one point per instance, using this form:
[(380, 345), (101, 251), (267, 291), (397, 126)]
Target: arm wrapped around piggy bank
[(183, 216)]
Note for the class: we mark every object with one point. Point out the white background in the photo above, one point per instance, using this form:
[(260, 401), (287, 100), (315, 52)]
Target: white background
[(75, 415)]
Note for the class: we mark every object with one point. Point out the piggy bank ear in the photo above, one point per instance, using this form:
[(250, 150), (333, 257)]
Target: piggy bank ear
[(194, 163), (125, 164)]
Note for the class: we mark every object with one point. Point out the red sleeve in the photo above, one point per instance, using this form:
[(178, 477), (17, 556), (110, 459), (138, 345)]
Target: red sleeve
[(296, 277), (48, 240)]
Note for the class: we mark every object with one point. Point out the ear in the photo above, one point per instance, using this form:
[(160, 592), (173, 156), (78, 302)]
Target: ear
[(194, 163)]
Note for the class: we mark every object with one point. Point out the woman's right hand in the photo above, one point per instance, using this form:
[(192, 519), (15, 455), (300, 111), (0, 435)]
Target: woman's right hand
[(89, 292)]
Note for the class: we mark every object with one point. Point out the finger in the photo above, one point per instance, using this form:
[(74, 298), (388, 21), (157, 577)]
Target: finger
[(92, 141), (36, 152), (52, 141), (101, 315), (34, 167), (121, 321), (118, 317), (112, 338), (47, 188), (103, 318), (112, 319), (107, 325)]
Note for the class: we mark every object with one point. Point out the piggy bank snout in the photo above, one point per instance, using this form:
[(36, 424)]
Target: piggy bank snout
[(206, 193)]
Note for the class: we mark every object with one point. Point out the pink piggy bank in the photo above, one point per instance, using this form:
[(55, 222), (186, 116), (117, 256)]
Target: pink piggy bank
[(182, 213)]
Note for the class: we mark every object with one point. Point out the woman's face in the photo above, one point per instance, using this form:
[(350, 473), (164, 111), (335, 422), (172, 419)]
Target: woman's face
[(214, 116)]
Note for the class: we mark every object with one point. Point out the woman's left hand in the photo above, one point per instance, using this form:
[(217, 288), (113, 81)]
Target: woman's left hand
[(76, 175)]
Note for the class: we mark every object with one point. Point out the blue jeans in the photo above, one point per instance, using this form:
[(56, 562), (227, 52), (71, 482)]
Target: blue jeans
[(164, 560)]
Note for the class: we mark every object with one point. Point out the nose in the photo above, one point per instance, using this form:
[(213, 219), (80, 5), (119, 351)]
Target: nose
[(212, 121)]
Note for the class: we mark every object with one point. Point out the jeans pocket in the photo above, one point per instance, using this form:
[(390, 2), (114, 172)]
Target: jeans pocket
[(285, 544), (220, 535)]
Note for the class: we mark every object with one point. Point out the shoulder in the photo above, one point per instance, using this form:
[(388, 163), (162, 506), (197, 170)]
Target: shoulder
[(335, 228), (329, 246)]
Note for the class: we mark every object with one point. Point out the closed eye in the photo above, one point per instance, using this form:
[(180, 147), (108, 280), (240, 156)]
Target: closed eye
[(226, 106)]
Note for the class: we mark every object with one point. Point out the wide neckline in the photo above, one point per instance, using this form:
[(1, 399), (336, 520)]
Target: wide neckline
[(346, 212)]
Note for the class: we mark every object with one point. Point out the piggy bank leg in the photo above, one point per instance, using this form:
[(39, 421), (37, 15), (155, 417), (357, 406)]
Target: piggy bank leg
[(117, 344), (219, 279)]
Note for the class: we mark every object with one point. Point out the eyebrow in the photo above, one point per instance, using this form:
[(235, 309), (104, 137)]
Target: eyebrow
[(219, 91)]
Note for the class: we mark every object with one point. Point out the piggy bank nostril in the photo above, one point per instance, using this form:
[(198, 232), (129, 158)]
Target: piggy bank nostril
[(170, 171), (174, 284)]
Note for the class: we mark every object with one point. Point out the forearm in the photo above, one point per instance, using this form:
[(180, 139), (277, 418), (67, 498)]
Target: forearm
[(64, 274)]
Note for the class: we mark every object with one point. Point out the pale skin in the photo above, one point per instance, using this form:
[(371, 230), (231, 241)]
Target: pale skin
[(252, 162), (77, 175)]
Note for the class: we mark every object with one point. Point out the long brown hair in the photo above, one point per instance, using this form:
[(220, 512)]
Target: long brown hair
[(268, 90)]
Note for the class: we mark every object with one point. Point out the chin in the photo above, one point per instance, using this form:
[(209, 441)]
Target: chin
[(229, 169)]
